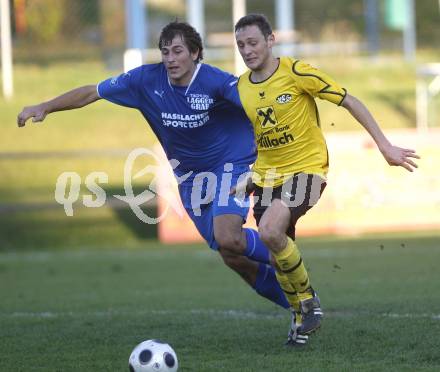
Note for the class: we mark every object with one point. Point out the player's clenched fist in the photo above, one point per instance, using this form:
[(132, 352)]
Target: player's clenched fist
[(37, 113)]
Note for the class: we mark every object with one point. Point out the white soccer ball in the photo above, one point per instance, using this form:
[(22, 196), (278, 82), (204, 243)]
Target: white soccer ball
[(153, 356)]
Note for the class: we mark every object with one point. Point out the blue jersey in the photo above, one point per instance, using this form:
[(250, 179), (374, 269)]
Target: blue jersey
[(202, 125)]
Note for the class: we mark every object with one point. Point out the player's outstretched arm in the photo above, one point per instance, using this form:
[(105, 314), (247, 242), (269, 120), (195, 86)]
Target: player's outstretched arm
[(394, 155), (73, 99)]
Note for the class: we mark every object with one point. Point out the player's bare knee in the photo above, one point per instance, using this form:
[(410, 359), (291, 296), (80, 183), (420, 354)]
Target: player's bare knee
[(230, 242), (270, 236)]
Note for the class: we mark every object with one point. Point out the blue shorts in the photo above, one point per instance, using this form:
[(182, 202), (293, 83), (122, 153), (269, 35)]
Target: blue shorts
[(208, 196)]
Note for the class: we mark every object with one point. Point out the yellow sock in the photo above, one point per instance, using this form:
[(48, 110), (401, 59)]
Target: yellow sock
[(289, 291), (298, 319), (290, 262)]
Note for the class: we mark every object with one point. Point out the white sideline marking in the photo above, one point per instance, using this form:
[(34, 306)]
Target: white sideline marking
[(237, 314), (394, 315)]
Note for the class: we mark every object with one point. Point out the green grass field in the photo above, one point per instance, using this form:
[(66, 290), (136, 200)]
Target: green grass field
[(85, 309)]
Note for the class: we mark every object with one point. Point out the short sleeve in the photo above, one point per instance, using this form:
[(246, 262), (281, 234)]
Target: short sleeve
[(226, 87), (316, 83), (230, 92), (123, 89)]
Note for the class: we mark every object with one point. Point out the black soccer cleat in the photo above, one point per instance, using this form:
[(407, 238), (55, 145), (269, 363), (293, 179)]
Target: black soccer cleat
[(311, 315)]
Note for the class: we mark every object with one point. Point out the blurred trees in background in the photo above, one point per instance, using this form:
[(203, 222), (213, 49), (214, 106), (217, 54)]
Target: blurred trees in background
[(428, 23), (44, 19), (47, 30)]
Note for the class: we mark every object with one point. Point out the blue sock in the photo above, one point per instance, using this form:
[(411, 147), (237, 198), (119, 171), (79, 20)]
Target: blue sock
[(255, 249), (267, 286)]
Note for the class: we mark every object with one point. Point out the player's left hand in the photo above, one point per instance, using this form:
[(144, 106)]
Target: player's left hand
[(397, 156)]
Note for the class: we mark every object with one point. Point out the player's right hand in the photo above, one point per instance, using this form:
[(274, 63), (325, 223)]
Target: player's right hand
[(244, 186), (37, 113)]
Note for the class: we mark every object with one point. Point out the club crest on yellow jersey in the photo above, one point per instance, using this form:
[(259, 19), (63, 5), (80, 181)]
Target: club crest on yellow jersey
[(284, 98)]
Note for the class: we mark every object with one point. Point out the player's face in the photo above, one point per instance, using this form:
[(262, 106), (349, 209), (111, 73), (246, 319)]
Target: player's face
[(179, 61), (255, 49)]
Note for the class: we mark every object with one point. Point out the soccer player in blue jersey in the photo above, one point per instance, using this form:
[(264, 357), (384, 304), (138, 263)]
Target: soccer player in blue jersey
[(195, 111)]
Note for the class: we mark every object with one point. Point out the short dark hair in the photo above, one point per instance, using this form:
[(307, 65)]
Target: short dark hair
[(188, 34), (258, 20)]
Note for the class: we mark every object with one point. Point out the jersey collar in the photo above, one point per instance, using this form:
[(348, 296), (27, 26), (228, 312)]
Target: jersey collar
[(196, 71), (262, 81)]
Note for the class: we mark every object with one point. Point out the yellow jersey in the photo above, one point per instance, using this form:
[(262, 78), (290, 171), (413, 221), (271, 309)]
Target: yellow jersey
[(286, 122)]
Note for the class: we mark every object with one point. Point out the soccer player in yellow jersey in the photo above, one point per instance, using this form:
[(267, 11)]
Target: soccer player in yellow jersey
[(278, 95)]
